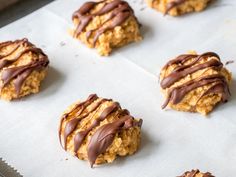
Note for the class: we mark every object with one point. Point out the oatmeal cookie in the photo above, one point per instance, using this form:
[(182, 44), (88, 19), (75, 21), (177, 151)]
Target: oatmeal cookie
[(99, 130), (105, 25), (196, 173), (22, 68), (178, 7), (195, 83)]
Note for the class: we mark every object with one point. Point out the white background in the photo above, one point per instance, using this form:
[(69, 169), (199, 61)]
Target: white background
[(172, 142)]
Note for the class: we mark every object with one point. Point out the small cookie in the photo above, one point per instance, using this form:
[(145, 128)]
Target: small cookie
[(178, 7), (98, 130), (196, 173), (105, 25), (22, 68), (195, 83)]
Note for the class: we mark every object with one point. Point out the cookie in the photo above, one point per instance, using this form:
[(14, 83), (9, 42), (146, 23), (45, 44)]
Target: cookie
[(99, 130), (178, 7), (22, 68), (196, 173), (195, 83), (106, 25)]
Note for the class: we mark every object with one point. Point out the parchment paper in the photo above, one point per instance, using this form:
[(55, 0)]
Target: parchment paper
[(172, 141)]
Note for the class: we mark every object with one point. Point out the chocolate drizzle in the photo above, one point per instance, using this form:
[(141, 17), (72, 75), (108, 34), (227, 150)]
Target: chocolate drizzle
[(176, 94), (173, 4), (20, 73), (184, 70), (79, 137), (72, 124), (119, 11), (194, 173), (96, 146), (105, 135)]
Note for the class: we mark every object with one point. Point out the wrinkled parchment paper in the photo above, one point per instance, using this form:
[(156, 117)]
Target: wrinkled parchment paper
[(172, 142)]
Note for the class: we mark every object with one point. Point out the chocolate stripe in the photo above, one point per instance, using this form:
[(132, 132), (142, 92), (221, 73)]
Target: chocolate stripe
[(197, 59), (6, 63), (120, 12), (4, 44), (194, 173), (72, 124), (184, 70), (180, 60), (173, 4), (9, 53), (218, 88), (117, 21), (176, 94), (186, 57), (8, 43), (91, 97), (122, 121), (79, 137), (105, 135), (20, 73)]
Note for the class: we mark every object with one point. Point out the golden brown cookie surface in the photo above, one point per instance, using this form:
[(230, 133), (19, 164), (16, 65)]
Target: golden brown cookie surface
[(22, 68), (105, 25), (196, 173), (178, 7), (98, 130), (195, 83)]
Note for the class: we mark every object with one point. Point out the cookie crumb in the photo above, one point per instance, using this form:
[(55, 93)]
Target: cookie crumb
[(62, 43), (142, 9), (229, 62)]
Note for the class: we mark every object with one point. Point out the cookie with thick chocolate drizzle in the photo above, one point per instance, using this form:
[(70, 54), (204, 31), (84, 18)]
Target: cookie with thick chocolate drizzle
[(196, 173), (195, 83), (105, 25), (22, 68), (178, 7), (99, 130)]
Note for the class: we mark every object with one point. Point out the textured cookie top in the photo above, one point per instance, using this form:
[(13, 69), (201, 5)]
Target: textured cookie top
[(18, 59), (115, 12), (196, 173), (191, 71), (99, 118)]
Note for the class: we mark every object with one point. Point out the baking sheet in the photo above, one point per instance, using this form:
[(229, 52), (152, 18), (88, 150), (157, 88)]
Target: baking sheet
[(7, 170), (172, 142), (5, 3)]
